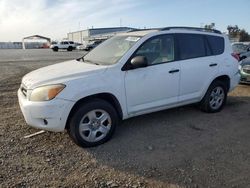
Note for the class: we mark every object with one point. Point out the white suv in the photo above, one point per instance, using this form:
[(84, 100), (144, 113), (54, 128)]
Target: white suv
[(128, 75), (66, 45)]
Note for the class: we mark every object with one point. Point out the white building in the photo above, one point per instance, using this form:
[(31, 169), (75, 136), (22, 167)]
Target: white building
[(98, 33)]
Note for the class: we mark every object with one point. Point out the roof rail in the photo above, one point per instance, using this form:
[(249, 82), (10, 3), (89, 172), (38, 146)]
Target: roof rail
[(192, 28), (148, 29)]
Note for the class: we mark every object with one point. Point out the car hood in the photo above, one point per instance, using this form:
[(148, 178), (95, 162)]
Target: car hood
[(60, 73)]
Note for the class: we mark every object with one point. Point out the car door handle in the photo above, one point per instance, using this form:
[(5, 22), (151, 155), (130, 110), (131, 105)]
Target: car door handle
[(213, 65), (174, 71)]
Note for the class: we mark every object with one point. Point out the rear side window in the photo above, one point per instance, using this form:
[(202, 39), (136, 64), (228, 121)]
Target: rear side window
[(191, 46), (217, 44)]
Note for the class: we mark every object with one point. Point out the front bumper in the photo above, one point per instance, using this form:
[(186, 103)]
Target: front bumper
[(47, 115)]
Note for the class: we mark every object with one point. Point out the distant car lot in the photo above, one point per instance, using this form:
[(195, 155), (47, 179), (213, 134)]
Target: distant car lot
[(178, 147), (242, 49), (89, 45), (245, 71), (244, 55)]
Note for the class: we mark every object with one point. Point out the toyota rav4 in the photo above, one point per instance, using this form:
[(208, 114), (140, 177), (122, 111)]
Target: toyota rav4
[(128, 75)]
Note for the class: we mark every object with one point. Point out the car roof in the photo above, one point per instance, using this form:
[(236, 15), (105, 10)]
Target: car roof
[(143, 32), (139, 33)]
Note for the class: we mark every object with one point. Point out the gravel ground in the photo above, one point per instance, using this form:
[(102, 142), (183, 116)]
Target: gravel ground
[(181, 147)]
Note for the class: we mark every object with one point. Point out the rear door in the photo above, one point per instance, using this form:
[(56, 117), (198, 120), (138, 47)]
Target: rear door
[(198, 65)]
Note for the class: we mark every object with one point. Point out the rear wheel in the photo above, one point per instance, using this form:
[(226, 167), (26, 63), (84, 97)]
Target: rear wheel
[(70, 48), (93, 123), (215, 97), (55, 49)]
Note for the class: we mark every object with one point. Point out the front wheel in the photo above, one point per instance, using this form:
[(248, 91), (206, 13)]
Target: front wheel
[(93, 123), (215, 97)]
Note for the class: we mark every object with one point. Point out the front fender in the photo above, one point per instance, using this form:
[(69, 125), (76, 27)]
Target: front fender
[(97, 84)]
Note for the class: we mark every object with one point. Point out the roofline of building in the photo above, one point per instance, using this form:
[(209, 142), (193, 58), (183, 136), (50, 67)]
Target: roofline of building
[(103, 28), (37, 36)]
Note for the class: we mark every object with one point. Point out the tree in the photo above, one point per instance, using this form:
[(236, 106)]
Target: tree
[(233, 31), (244, 36), (236, 32), (210, 26)]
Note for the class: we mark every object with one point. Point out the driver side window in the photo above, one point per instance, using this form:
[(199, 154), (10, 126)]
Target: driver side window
[(157, 50)]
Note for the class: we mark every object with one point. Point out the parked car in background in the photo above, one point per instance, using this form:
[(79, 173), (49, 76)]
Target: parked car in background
[(80, 47), (65, 45), (245, 71), (131, 74), (245, 55), (240, 47), (89, 45)]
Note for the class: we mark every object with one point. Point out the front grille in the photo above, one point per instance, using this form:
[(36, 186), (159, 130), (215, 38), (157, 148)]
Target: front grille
[(23, 90), (246, 71)]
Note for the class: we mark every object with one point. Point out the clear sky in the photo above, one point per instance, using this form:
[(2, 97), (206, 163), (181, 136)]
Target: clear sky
[(55, 18)]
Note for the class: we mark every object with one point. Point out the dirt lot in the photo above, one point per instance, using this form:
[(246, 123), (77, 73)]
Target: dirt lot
[(181, 147)]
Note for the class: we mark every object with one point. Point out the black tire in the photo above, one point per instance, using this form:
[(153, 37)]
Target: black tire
[(55, 49), (78, 117), (70, 48), (209, 98)]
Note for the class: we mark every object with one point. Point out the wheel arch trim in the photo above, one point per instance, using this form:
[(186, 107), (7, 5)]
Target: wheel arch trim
[(104, 96)]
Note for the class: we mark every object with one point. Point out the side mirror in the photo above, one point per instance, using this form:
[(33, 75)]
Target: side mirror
[(139, 62), (248, 49)]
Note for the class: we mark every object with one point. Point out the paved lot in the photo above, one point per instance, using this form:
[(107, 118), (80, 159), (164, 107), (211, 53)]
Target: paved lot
[(181, 147)]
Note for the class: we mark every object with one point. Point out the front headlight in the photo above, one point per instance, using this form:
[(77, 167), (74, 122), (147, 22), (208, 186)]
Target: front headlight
[(46, 93)]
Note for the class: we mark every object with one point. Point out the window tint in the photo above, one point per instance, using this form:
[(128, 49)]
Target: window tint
[(208, 48), (159, 49), (191, 46), (216, 44)]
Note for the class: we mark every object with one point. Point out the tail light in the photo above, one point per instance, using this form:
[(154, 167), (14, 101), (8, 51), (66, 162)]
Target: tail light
[(236, 56)]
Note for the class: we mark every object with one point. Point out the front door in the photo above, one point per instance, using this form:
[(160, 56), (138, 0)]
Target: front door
[(157, 85)]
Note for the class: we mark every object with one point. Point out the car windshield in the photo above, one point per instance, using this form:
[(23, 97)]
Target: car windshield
[(110, 51)]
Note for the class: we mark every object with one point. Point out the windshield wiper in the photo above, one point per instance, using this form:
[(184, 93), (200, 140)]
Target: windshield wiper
[(86, 61), (80, 59), (91, 62)]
